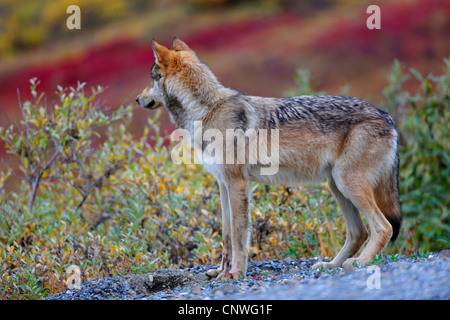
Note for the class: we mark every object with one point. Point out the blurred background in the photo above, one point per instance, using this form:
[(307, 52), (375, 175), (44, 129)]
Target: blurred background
[(252, 46)]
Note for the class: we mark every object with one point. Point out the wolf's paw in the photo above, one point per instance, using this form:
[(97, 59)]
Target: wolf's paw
[(325, 265), (351, 263), (230, 275)]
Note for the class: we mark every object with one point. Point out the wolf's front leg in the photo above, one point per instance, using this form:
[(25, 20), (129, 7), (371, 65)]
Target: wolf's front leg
[(226, 229), (225, 266), (238, 194)]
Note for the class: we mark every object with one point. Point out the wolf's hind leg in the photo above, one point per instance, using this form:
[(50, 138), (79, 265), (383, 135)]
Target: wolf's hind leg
[(357, 188), (356, 231)]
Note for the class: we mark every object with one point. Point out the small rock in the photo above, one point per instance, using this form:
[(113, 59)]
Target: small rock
[(196, 290), (212, 273)]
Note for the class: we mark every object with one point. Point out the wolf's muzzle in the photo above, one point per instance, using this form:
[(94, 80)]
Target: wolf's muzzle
[(148, 105)]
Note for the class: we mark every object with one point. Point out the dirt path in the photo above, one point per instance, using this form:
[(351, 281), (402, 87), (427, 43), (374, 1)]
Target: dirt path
[(394, 277)]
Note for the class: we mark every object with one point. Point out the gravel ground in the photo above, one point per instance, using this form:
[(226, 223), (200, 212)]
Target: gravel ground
[(404, 278)]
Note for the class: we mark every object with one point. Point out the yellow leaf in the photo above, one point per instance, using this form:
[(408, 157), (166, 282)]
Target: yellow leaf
[(34, 121), (33, 143), (81, 230)]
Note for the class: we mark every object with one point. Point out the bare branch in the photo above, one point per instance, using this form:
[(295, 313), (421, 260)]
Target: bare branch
[(27, 134), (55, 155), (37, 179), (98, 182), (26, 178)]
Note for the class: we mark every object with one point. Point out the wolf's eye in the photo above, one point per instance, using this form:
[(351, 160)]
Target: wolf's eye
[(156, 76), (154, 73)]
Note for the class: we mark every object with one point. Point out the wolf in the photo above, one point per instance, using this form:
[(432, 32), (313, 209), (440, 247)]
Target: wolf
[(345, 141)]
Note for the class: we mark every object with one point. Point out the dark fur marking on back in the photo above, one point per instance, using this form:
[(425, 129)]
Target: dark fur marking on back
[(328, 113)]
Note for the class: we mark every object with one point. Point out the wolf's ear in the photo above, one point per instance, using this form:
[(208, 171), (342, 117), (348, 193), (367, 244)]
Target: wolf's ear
[(179, 45), (161, 53)]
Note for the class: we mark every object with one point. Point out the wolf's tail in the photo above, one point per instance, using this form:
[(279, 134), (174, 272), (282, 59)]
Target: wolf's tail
[(387, 197)]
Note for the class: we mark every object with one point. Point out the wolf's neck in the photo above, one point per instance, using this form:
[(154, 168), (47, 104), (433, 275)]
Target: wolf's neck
[(193, 99)]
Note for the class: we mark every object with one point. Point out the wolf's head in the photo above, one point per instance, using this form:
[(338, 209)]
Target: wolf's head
[(177, 75), (167, 63), (150, 98)]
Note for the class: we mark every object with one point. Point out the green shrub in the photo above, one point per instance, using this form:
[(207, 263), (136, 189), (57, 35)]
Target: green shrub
[(424, 156)]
